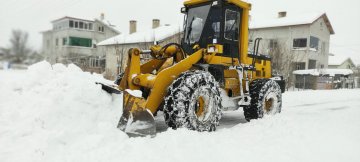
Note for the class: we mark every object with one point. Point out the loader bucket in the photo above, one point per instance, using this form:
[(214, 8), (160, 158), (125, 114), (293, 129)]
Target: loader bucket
[(136, 120), (109, 88)]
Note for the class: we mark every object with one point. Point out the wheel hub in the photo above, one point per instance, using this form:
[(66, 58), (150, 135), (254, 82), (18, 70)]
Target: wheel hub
[(199, 109), (270, 103), (204, 104)]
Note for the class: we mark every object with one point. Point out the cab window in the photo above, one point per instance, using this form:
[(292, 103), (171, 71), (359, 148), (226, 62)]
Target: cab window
[(232, 19)]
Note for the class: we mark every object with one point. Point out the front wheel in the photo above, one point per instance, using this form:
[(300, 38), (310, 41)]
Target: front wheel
[(266, 99), (193, 101)]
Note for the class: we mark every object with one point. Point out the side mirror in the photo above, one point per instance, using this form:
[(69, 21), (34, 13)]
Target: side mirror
[(215, 3), (184, 10)]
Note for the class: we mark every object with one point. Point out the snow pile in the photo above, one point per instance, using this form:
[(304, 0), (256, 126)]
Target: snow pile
[(57, 113), (49, 110)]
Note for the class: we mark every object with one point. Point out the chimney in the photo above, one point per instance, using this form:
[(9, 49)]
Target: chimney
[(132, 26), (282, 14), (102, 16), (155, 23)]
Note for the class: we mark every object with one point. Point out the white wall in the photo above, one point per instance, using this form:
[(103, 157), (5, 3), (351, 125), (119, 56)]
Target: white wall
[(285, 36)]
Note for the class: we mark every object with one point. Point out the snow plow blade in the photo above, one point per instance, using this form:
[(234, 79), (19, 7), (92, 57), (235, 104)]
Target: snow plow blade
[(109, 88), (136, 121)]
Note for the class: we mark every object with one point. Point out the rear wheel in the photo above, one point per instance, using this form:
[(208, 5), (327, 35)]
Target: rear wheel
[(193, 101), (266, 99)]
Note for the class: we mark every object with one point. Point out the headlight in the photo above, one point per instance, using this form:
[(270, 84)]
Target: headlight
[(211, 49)]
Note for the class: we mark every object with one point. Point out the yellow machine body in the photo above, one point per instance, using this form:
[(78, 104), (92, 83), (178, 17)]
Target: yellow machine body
[(155, 76)]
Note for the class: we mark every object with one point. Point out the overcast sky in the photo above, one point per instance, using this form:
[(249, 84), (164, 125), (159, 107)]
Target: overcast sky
[(34, 16)]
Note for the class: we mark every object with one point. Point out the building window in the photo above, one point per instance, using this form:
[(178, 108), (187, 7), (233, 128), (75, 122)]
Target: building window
[(312, 64), (76, 24), (81, 42), (314, 43), (299, 65), (56, 42), (85, 26), (322, 66), (101, 28), (300, 43), (95, 62), (65, 41), (90, 26), (273, 44), (81, 25), (71, 24)]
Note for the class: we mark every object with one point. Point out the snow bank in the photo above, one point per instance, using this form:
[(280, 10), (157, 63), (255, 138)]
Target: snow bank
[(57, 113), (47, 111)]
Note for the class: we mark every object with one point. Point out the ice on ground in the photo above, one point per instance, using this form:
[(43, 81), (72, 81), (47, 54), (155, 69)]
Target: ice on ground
[(58, 113)]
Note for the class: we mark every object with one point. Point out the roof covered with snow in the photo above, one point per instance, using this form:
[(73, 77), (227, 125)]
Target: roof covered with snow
[(338, 59), (151, 35), (291, 20), (102, 21), (73, 18), (331, 72), (108, 24)]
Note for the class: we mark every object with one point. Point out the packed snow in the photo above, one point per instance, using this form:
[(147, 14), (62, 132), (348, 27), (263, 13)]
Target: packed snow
[(57, 113)]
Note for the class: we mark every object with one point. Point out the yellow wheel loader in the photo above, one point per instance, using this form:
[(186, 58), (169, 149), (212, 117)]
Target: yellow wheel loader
[(210, 71)]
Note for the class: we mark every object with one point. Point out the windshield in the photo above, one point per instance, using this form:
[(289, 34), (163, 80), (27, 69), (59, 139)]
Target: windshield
[(196, 19)]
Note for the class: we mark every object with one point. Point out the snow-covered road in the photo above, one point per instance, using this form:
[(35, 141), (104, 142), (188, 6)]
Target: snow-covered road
[(57, 113)]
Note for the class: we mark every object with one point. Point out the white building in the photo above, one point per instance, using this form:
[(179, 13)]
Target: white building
[(73, 40), (304, 37)]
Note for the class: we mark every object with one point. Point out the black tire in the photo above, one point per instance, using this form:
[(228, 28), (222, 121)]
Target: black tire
[(266, 99), (182, 104)]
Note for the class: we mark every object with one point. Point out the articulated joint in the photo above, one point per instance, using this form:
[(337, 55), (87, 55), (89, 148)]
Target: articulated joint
[(145, 80)]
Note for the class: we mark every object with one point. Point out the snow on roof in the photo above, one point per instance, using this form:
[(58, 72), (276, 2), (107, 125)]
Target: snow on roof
[(107, 23), (291, 20), (331, 72), (152, 35), (337, 59), (104, 22), (69, 17)]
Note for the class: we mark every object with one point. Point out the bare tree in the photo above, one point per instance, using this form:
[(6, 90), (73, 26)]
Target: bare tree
[(18, 51), (283, 60)]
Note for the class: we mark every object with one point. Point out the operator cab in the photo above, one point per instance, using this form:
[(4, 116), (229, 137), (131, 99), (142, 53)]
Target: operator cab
[(213, 22)]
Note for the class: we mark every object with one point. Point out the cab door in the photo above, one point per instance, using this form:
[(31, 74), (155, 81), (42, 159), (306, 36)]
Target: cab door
[(232, 15)]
